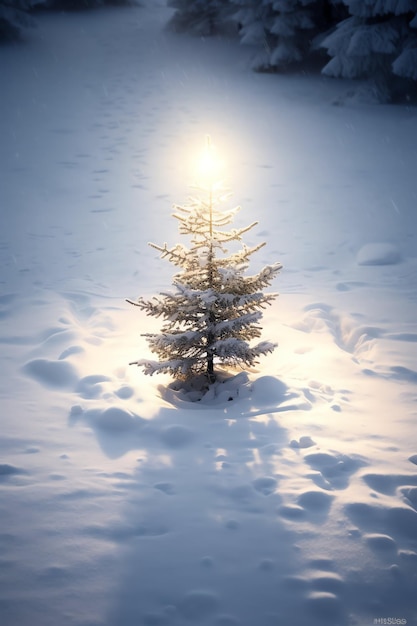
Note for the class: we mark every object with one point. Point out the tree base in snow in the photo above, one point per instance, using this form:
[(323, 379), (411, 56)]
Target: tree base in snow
[(197, 390)]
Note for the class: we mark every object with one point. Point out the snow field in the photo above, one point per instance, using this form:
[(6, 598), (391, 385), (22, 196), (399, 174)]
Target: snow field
[(307, 491), (289, 494)]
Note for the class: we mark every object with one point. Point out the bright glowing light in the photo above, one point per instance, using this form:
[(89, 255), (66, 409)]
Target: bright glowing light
[(209, 166)]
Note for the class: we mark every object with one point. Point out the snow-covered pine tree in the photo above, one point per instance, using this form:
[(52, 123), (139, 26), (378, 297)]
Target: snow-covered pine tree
[(405, 64), (284, 30), (293, 27), (214, 310), (377, 41), (200, 17), (254, 18)]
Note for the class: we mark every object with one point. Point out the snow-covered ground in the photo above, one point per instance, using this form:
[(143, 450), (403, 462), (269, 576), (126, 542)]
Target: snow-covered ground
[(291, 496)]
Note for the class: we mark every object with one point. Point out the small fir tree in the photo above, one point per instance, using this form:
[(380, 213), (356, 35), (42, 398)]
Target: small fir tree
[(214, 311)]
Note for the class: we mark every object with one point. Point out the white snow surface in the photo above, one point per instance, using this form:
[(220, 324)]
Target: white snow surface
[(287, 496)]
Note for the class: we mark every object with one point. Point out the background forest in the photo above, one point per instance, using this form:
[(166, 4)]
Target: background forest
[(367, 39)]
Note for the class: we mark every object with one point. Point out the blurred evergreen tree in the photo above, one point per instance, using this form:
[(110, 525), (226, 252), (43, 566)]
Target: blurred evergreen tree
[(200, 17), (14, 15), (377, 41), (286, 31)]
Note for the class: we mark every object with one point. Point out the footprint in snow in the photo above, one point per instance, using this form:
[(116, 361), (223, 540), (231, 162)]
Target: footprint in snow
[(266, 565), (265, 485), (7, 471), (389, 483), (167, 488), (291, 512), (328, 582), (89, 387), (380, 543), (333, 469), (395, 521), (324, 605), (315, 501), (197, 605), (124, 392), (323, 591)]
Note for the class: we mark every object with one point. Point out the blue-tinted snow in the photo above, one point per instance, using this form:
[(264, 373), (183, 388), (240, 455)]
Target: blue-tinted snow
[(288, 495)]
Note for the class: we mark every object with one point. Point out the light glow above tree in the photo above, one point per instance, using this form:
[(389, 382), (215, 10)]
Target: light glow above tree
[(210, 166)]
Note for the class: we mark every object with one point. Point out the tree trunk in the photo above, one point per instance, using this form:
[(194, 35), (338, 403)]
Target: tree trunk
[(211, 376), (210, 356), (211, 317)]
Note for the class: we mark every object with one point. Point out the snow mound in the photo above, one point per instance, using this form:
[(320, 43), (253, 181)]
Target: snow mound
[(124, 392), (304, 442), (89, 386), (115, 420), (378, 254), (70, 351), (255, 397), (380, 542), (197, 393), (10, 470), (265, 485), (398, 520), (197, 605), (315, 500), (176, 436), (53, 374), (324, 605), (268, 390), (112, 420)]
